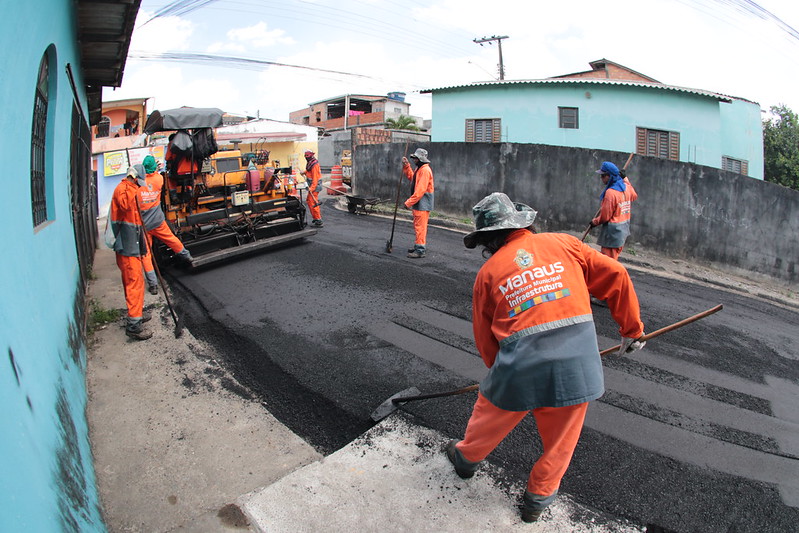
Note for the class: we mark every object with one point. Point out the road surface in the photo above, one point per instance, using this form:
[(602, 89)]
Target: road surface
[(697, 432)]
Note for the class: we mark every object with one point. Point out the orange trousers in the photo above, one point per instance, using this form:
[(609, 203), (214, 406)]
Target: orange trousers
[(166, 236), (313, 205), (558, 427), (133, 284), (420, 219), (613, 253)]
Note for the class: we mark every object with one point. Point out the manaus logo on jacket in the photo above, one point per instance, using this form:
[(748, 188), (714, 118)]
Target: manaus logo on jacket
[(524, 259)]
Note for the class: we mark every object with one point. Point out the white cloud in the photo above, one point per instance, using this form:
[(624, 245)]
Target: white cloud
[(243, 40), (166, 34)]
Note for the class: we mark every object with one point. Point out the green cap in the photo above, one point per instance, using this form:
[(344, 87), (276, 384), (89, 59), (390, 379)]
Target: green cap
[(150, 165)]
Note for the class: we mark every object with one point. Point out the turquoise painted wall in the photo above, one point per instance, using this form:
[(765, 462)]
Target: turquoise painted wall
[(47, 479), (608, 117)]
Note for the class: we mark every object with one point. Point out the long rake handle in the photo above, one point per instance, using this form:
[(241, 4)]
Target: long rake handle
[(396, 203), (666, 329), (646, 337)]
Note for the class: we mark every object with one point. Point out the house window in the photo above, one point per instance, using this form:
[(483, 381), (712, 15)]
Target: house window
[(486, 130), (568, 117), (104, 127), (658, 143), (738, 166), (39, 145)]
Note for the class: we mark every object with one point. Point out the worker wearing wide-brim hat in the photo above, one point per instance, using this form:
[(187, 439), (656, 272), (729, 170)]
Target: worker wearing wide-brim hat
[(534, 330), (421, 199), (130, 246), (313, 174)]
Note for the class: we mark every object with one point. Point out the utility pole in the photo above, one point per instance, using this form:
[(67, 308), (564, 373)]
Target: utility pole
[(489, 40)]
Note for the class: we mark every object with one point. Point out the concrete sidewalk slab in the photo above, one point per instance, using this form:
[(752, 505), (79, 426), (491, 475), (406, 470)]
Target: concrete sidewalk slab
[(396, 478), (175, 439)]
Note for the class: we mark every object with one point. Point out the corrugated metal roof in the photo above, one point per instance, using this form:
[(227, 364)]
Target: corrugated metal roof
[(589, 81)]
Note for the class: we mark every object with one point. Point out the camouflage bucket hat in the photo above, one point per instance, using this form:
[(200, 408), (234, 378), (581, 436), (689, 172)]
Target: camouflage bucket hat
[(495, 212), (421, 155)]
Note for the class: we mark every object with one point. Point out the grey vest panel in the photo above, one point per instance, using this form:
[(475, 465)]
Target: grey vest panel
[(128, 239), (425, 203), (613, 234), (554, 368), (152, 217)]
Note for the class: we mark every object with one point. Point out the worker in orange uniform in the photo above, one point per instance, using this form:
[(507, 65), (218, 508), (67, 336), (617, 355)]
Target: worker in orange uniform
[(421, 200), (313, 175), (155, 223), (130, 247), (535, 332), (614, 213)]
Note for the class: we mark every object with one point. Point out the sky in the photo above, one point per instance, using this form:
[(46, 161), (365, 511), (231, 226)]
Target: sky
[(266, 58)]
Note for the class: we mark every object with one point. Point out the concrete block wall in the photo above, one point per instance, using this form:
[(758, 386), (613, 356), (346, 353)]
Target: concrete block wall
[(684, 210)]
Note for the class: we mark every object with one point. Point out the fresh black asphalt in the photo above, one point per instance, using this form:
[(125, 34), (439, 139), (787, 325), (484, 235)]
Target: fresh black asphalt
[(697, 432)]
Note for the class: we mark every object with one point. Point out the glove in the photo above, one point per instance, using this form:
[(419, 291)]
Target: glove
[(630, 345)]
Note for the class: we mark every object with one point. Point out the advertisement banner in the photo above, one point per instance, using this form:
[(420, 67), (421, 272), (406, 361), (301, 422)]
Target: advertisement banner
[(115, 163)]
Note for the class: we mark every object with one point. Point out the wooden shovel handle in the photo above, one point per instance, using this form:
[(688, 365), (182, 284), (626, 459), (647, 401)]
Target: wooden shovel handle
[(674, 326)]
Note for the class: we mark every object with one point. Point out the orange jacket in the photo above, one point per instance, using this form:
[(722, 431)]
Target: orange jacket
[(126, 222), (183, 162), (614, 216), (423, 187), (150, 201), (616, 205), (314, 177), (532, 319)]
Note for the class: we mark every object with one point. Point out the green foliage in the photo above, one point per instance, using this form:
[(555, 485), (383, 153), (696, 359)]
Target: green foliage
[(100, 316), (402, 122), (781, 147)]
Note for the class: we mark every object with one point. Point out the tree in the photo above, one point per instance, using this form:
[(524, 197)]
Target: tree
[(402, 123), (781, 147)]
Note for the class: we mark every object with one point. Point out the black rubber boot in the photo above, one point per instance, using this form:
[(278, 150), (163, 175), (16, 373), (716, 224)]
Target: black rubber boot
[(465, 469)]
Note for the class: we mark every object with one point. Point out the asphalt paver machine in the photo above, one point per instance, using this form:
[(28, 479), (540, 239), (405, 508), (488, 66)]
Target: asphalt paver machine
[(228, 203)]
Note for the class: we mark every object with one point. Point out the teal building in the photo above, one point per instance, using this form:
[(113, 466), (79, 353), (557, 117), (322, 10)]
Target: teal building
[(609, 107), (57, 56)]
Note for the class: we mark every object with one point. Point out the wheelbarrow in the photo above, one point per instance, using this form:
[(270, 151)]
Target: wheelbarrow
[(358, 205)]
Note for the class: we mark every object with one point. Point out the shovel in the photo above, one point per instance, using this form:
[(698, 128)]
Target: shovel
[(178, 321), (412, 394), (390, 241)]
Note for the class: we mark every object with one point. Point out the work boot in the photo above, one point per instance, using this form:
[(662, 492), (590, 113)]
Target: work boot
[(152, 289), (533, 505), (465, 469), (137, 331), (417, 253), (146, 316), (317, 223), (185, 256)]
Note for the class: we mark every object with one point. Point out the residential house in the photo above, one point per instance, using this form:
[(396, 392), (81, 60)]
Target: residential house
[(609, 107), (58, 56), (337, 117)]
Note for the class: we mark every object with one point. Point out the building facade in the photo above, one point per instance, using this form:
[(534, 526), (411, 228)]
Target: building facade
[(353, 110), (51, 98), (609, 107)]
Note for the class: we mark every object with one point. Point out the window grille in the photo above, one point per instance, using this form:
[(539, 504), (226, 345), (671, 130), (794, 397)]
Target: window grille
[(39, 146), (483, 130), (658, 143), (568, 117), (738, 166)]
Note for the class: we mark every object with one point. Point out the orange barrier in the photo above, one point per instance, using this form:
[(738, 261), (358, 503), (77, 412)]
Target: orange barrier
[(336, 181)]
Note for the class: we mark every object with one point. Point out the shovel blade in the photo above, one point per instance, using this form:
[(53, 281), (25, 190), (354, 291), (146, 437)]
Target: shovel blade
[(388, 406)]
